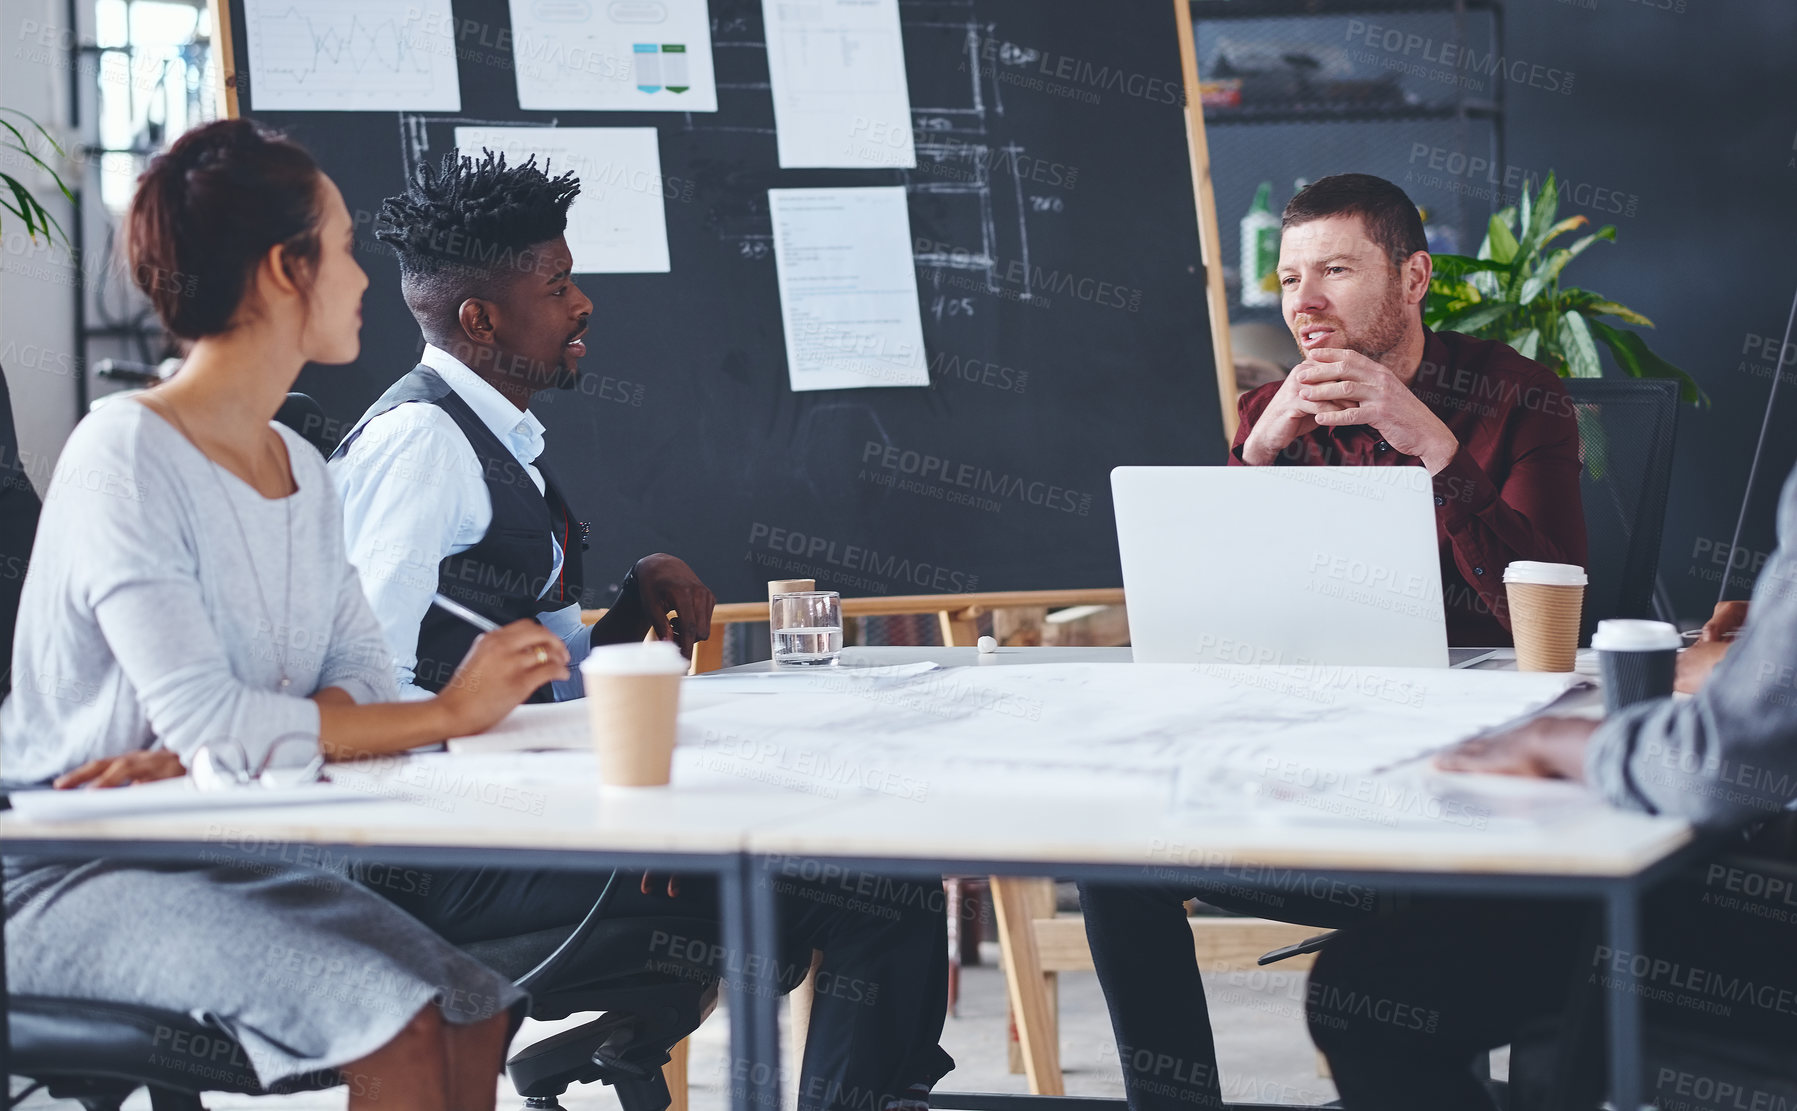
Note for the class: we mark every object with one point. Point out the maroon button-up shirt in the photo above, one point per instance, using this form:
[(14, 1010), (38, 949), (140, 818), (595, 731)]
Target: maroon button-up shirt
[(1510, 492)]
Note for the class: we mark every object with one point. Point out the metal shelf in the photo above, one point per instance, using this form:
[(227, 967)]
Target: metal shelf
[(1349, 113), (1272, 9)]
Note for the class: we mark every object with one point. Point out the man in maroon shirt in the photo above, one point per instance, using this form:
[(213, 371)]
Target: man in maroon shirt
[(1376, 388), (1499, 435)]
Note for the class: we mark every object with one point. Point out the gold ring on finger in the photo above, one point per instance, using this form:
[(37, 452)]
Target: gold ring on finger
[(542, 654)]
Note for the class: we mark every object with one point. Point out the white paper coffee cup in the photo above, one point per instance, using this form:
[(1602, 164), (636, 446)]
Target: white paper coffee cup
[(1545, 574), (1546, 600), (633, 704)]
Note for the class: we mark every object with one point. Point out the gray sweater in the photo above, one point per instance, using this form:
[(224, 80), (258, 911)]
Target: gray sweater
[(141, 622), (1728, 755)]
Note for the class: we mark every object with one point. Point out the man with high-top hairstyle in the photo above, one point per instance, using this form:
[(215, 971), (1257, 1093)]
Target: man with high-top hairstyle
[(442, 482), (444, 490)]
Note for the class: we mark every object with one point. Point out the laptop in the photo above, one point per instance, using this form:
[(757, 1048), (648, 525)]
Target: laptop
[(1281, 565)]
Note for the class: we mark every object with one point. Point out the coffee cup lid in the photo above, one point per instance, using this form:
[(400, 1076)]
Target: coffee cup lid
[(656, 657), (1544, 574), (1628, 635)]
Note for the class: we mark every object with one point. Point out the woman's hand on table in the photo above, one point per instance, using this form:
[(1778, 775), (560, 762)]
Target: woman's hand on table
[(1545, 748), (501, 670), (123, 771)]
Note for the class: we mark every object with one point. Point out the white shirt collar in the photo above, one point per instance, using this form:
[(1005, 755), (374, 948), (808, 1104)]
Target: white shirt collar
[(519, 430)]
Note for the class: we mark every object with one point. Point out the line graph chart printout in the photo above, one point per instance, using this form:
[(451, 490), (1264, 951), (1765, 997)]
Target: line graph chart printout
[(848, 288), (618, 56), (352, 55), (841, 97), (619, 223)]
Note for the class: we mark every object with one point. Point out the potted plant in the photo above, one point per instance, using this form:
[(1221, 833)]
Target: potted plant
[(1511, 292), (15, 196), (18, 499)]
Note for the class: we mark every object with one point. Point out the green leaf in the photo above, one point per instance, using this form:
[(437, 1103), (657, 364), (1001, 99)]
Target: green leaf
[(1581, 353), (48, 138), (1448, 292), (1608, 231), (1547, 206), (1560, 229), (1537, 282), (1638, 361), (1477, 320), (1623, 312), (1504, 215), (1527, 343), (27, 208), (37, 218), (20, 144), (1503, 244), (1549, 272), (1459, 266), (30, 210)]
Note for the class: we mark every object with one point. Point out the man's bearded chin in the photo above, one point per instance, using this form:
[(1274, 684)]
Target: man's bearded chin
[(1384, 331), (566, 378)]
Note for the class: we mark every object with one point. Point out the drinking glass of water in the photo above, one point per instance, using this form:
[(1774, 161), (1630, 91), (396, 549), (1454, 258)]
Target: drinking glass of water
[(807, 627)]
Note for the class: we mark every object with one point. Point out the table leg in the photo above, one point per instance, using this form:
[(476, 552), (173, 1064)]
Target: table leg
[(1622, 914), (674, 1072), (750, 932), (1016, 910), (951, 890)]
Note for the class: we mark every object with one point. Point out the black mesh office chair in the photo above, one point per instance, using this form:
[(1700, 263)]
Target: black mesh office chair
[(1626, 427), (99, 1054)]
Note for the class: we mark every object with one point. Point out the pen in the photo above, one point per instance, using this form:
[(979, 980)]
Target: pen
[(451, 606)]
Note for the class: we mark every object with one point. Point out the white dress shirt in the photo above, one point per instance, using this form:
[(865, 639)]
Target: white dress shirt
[(413, 495)]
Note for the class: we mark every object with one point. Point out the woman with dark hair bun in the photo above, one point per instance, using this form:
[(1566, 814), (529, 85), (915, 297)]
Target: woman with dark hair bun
[(189, 599)]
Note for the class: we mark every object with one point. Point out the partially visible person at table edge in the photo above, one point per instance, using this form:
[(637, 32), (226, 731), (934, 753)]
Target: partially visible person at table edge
[(190, 590), (1717, 937)]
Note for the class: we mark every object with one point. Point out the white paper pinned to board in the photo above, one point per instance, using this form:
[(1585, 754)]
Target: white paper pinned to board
[(841, 97), (614, 55), (352, 56), (848, 288)]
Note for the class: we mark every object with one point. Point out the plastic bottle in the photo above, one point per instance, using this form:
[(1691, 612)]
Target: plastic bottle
[(1442, 239), (1260, 249)]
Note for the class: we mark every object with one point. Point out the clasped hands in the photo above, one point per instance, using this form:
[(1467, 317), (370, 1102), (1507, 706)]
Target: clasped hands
[(1333, 387)]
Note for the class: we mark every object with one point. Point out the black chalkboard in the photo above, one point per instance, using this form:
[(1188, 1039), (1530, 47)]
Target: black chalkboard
[(1058, 269)]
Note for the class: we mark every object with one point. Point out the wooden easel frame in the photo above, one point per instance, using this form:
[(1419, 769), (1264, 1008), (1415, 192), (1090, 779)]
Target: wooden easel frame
[(224, 50), (1210, 252)]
